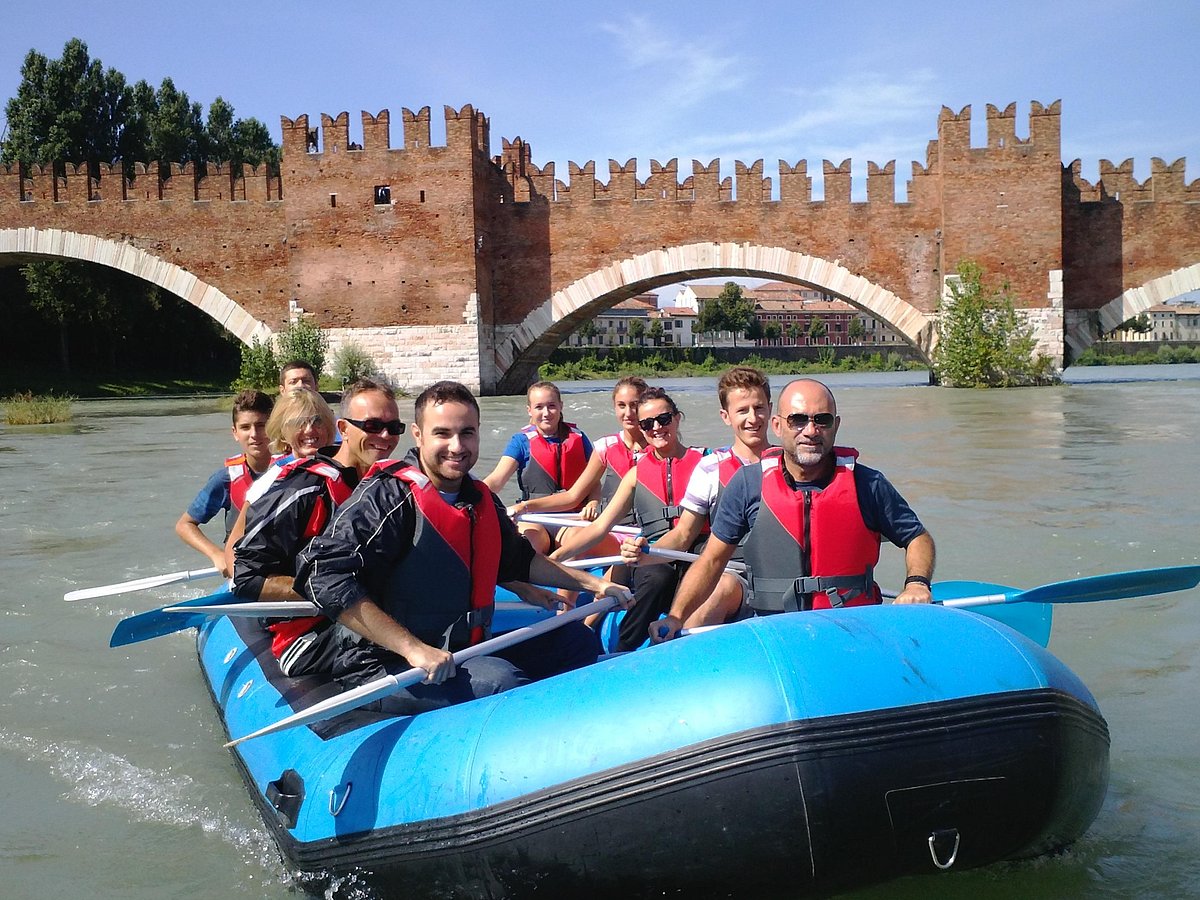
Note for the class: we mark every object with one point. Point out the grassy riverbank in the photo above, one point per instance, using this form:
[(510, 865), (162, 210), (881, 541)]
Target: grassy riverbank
[(109, 385), (615, 362), (1103, 355)]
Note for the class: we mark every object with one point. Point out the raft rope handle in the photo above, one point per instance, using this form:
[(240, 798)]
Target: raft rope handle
[(333, 811), (953, 852)]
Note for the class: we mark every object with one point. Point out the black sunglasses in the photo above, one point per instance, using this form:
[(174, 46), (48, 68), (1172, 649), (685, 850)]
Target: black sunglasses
[(798, 421), (378, 426), (663, 419)]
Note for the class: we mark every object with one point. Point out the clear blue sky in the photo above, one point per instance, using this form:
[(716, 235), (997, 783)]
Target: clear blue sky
[(734, 80)]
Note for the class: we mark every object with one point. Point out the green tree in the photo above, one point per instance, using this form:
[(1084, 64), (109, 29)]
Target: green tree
[(351, 362), (218, 131), (817, 329), (772, 331), (65, 110), (176, 127), (794, 330), (1139, 324), (656, 332), (302, 339), (711, 319), (64, 294), (737, 310), (72, 109), (754, 331), (637, 331), (259, 368), (252, 145), (856, 331), (982, 340), (587, 331)]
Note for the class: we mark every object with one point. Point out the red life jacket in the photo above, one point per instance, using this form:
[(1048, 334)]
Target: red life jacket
[(661, 484), (241, 476), (810, 549), (730, 465), (336, 491), (553, 465), (618, 458), (444, 589)]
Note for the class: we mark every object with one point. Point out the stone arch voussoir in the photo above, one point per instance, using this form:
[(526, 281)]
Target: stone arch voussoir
[(56, 243), (543, 329), (1086, 330)]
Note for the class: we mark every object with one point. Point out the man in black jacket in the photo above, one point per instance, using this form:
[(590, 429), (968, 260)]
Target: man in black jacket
[(411, 564)]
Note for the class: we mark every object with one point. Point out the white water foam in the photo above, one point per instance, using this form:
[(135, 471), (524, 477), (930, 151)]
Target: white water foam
[(99, 778)]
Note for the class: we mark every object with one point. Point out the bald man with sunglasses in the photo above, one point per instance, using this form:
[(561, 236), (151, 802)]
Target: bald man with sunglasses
[(813, 519)]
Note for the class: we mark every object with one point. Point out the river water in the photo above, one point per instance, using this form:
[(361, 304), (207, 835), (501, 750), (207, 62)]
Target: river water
[(113, 783)]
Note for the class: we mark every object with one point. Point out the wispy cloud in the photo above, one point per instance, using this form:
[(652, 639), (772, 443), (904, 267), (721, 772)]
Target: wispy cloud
[(682, 73), (886, 116)]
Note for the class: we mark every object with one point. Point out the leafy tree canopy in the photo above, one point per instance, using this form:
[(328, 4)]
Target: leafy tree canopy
[(982, 340), (72, 109), (737, 310)]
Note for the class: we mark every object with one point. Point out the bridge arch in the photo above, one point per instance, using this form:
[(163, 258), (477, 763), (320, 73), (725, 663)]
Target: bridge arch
[(1130, 303), (530, 343), (35, 243)]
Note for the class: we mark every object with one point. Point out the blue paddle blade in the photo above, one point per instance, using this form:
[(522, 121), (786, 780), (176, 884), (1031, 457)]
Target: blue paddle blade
[(1116, 586), (1031, 619), (156, 623)]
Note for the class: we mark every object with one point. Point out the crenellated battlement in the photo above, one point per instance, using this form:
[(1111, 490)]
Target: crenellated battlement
[(1167, 182), (749, 183), (466, 129), (146, 181), (954, 132), (950, 150)]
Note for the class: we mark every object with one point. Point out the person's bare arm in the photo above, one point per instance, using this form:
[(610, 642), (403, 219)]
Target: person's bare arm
[(585, 489), (583, 539), (499, 476), (189, 532), (698, 583), (919, 559), (367, 619)]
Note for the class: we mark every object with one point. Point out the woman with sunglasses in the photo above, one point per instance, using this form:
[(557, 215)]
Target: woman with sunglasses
[(652, 491), (612, 457), (296, 508), (548, 456)]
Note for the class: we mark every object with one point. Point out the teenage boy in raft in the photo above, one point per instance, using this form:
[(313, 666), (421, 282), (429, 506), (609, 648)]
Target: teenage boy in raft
[(226, 488)]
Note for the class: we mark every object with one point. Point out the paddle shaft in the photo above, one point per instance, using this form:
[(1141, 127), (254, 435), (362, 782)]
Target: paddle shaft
[(555, 521), (281, 608), (140, 584), (389, 684), (676, 555)]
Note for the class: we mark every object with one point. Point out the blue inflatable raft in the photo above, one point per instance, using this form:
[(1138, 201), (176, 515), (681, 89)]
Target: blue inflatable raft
[(800, 753)]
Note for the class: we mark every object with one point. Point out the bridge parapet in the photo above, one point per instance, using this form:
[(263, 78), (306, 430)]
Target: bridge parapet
[(37, 185)]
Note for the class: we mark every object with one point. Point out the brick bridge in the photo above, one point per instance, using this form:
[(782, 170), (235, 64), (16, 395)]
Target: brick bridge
[(444, 261)]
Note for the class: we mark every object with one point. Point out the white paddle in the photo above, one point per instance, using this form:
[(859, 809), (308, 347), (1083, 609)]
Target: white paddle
[(570, 520), (677, 555), (389, 684), (140, 584)]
